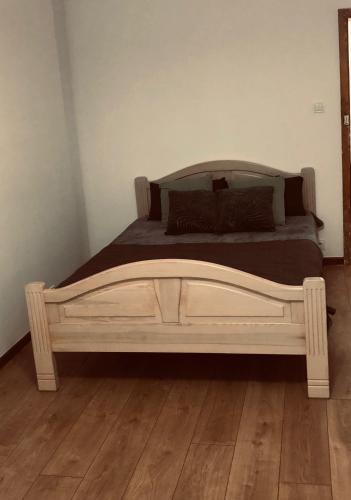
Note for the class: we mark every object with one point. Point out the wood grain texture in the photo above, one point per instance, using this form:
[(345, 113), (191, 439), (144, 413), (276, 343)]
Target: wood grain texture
[(205, 473), (339, 418), (113, 467), (20, 402), (305, 439), (43, 356), (53, 488), (16, 424), (176, 305), (304, 492), (20, 470), (337, 290), (82, 443), (344, 15), (316, 338), (142, 196), (230, 169), (221, 412), (255, 467), (118, 427), (338, 280), (340, 357), (162, 460)]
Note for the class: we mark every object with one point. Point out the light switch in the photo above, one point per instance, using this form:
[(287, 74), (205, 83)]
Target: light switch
[(318, 107)]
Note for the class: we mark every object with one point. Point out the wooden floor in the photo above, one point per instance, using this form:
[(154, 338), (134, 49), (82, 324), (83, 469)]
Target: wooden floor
[(187, 427)]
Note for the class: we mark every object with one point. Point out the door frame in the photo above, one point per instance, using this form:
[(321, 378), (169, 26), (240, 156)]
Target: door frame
[(344, 15)]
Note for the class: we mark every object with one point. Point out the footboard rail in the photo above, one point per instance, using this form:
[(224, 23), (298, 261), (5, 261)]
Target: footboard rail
[(178, 305)]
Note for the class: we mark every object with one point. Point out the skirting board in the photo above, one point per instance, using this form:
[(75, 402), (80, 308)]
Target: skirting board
[(5, 358), (333, 261)]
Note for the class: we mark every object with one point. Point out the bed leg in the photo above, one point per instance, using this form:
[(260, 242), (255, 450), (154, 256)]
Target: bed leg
[(316, 338), (43, 356)]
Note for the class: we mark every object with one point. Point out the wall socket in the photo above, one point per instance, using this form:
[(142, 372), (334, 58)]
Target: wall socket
[(319, 107)]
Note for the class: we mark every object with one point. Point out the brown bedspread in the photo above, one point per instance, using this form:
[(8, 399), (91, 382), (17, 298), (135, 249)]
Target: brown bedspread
[(287, 262)]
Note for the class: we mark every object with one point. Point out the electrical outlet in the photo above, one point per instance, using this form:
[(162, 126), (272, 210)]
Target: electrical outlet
[(319, 107)]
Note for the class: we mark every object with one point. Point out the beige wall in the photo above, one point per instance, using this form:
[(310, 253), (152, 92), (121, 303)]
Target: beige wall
[(40, 220), (162, 84)]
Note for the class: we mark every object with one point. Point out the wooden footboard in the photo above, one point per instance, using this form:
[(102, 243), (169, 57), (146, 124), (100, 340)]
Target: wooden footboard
[(180, 306)]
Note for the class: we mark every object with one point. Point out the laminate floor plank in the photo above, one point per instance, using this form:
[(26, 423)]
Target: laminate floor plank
[(15, 379), (347, 273), (53, 488), (79, 448), (339, 421), (304, 492), (205, 473), (220, 415), (21, 468), (114, 465), (25, 406), (340, 362), (160, 465), (255, 467), (336, 287), (305, 438), (339, 334), (20, 402), (16, 425)]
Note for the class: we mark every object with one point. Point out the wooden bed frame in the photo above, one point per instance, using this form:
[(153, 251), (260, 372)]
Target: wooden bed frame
[(178, 305)]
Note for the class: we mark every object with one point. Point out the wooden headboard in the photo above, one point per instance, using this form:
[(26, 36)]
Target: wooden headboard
[(231, 169)]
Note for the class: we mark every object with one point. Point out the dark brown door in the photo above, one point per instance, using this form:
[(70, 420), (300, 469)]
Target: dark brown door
[(344, 16)]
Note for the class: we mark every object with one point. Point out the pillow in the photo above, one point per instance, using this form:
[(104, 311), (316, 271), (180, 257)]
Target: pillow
[(191, 212), (155, 204), (293, 197), (203, 182), (218, 184), (155, 212), (277, 183), (246, 209)]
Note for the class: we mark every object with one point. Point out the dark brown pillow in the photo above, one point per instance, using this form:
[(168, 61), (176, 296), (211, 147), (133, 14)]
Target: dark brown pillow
[(155, 205), (245, 209), (155, 196), (191, 212), (218, 184), (293, 198)]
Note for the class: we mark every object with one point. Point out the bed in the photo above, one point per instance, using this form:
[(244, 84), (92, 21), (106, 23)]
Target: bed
[(146, 292)]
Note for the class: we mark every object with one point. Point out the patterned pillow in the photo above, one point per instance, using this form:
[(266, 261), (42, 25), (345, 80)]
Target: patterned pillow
[(277, 182), (191, 212), (201, 182), (246, 209)]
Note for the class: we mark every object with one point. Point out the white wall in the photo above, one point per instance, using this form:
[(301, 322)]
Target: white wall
[(41, 224), (162, 84)]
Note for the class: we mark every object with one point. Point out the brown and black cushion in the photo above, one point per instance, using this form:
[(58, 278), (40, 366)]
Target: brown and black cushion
[(245, 209), (191, 212)]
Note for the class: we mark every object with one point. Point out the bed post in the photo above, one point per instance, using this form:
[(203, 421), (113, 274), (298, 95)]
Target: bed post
[(43, 355), (309, 189), (142, 195), (316, 338)]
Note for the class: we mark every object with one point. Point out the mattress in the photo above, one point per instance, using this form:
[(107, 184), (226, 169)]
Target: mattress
[(286, 256), (145, 232)]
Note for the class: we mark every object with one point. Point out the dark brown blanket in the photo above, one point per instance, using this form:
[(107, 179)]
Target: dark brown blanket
[(287, 262)]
